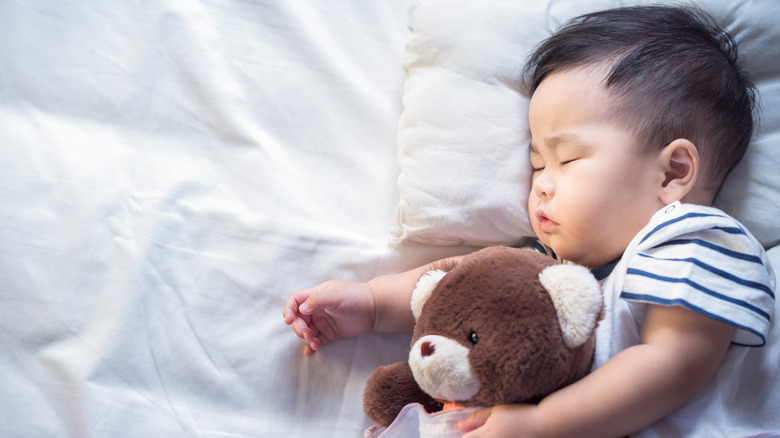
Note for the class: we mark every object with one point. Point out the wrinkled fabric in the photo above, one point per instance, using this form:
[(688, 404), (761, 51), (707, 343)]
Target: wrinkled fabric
[(413, 421), (171, 172)]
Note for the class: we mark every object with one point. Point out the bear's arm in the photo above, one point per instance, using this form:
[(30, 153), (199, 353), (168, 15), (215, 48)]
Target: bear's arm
[(389, 389)]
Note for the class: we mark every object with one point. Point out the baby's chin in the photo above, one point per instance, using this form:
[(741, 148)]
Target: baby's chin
[(570, 253), (587, 260), (577, 256)]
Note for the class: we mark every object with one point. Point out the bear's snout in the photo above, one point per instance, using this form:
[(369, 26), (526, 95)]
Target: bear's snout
[(441, 367)]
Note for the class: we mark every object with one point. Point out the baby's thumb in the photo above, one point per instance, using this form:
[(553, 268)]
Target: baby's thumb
[(314, 302), (474, 421)]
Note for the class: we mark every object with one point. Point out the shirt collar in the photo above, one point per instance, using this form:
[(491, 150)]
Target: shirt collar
[(603, 272), (600, 273)]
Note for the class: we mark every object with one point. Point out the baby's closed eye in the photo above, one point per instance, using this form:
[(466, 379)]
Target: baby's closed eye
[(563, 163)]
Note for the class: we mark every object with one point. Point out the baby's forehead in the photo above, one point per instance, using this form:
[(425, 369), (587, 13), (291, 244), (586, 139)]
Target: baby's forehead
[(592, 76), (570, 90), (570, 105)]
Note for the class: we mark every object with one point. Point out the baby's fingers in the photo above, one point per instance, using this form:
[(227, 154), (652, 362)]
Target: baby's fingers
[(292, 306), (301, 328), (474, 421), (316, 300), (308, 335)]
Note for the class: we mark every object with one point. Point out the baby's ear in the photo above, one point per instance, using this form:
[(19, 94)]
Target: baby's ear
[(680, 160), (425, 286)]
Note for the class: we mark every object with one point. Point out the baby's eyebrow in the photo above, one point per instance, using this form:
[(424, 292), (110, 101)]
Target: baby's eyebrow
[(563, 137), (556, 139)]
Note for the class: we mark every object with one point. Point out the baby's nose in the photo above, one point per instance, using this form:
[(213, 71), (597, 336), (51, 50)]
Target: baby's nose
[(427, 349), (543, 185)]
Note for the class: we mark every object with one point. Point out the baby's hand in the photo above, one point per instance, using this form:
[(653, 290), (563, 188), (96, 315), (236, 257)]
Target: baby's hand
[(502, 421), (332, 310)]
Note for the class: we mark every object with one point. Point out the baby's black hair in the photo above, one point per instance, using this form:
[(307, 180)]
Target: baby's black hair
[(674, 74)]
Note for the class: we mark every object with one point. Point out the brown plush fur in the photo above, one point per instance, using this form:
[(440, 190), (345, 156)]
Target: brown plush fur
[(397, 387), (520, 356)]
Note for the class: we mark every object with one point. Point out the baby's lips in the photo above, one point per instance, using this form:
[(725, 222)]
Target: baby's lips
[(546, 225), (540, 215)]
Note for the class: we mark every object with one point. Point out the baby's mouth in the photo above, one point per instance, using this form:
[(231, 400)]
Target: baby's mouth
[(545, 223)]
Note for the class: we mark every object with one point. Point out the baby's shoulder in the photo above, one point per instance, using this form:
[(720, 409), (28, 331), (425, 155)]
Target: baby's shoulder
[(707, 228), (703, 259)]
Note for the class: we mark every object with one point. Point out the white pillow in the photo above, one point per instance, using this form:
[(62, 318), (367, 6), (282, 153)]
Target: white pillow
[(463, 134), (751, 193)]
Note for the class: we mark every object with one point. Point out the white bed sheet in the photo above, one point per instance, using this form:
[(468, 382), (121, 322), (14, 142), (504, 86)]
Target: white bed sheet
[(170, 172)]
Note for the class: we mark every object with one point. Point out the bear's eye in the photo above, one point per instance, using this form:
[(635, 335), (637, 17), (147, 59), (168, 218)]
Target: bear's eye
[(473, 337)]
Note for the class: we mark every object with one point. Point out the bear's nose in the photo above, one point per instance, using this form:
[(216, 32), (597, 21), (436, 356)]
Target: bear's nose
[(427, 349)]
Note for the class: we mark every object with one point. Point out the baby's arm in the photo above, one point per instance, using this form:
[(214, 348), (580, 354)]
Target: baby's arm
[(680, 351), (337, 309)]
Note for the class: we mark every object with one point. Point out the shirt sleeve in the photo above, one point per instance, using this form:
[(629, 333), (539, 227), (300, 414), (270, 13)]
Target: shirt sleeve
[(706, 261)]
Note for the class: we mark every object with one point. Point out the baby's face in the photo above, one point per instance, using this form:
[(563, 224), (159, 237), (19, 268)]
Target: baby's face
[(593, 187)]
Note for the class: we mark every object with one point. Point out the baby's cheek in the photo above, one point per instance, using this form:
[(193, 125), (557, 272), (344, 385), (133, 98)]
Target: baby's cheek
[(533, 200), (537, 230), (545, 239)]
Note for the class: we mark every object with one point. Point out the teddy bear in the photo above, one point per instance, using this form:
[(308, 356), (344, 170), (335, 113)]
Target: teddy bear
[(503, 325)]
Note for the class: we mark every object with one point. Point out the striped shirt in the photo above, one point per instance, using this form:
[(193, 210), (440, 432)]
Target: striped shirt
[(704, 260)]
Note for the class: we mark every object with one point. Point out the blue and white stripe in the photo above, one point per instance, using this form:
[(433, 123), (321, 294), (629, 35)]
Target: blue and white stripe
[(704, 260)]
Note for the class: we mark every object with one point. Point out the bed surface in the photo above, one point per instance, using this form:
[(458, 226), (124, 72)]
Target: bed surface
[(171, 172)]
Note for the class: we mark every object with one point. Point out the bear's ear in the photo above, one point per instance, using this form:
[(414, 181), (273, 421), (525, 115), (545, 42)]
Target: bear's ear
[(577, 298), (425, 285)]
